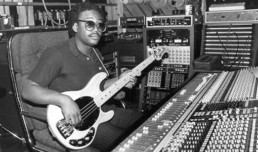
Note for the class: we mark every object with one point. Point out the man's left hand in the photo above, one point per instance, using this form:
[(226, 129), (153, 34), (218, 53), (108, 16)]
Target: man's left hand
[(120, 95), (132, 80)]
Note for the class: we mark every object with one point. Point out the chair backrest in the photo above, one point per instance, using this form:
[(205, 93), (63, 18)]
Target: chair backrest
[(24, 50)]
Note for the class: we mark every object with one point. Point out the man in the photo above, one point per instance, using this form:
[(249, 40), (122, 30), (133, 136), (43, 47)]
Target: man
[(69, 66)]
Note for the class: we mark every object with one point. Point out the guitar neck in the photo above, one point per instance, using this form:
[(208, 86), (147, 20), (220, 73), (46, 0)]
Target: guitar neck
[(119, 84)]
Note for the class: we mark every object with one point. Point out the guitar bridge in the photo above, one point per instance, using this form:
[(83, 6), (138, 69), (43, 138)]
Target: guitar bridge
[(64, 128)]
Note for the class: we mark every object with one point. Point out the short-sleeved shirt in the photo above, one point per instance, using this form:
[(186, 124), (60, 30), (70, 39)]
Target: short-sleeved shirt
[(64, 68)]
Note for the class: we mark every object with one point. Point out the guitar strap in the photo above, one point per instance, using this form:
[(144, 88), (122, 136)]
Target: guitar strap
[(100, 61)]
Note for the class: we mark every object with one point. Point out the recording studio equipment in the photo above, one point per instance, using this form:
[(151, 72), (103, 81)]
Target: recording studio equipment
[(134, 36), (212, 112), (132, 21), (234, 43), (169, 21), (248, 4), (6, 22), (227, 6), (161, 31), (177, 35), (206, 62), (241, 16)]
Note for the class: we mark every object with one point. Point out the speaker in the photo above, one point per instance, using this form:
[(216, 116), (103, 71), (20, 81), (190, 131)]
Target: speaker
[(130, 53)]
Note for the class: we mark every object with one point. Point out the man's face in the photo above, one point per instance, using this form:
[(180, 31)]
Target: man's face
[(88, 36)]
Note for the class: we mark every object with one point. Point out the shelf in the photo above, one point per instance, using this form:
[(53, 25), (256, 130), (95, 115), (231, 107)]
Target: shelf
[(47, 3), (31, 28)]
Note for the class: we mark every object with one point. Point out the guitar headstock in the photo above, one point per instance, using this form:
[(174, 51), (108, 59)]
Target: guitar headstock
[(158, 52)]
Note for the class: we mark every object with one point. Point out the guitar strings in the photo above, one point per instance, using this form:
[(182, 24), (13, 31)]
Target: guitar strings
[(91, 108), (88, 109)]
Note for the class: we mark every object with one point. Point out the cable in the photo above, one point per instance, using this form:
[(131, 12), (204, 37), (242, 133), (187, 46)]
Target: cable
[(226, 52), (236, 55), (13, 134), (51, 17), (224, 47)]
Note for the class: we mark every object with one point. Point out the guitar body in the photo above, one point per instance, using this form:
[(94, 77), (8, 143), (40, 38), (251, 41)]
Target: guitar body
[(82, 135)]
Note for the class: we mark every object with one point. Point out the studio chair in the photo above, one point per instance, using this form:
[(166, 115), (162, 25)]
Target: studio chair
[(24, 50)]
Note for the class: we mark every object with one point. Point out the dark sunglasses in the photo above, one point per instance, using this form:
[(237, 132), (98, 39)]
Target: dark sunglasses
[(90, 25)]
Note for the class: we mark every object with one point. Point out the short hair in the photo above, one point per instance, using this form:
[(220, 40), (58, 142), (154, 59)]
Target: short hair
[(76, 11)]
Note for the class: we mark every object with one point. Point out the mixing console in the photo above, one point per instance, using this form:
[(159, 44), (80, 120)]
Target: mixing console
[(213, 112)]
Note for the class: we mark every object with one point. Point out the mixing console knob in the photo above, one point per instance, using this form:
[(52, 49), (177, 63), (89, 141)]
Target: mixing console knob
[(126, 145), (219, 146), (208, 147), (145, 130), (243, 146), (134, 137), (224, 146), (121, 149), (238, 141), (160, 126), (139, 134), (237, 146), (130, 141), (239, 132), (245, 129), (230, 111)]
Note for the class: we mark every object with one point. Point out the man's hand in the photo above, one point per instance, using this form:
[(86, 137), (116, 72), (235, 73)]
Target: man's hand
[(133, 79), (120, 95), (70, 111)]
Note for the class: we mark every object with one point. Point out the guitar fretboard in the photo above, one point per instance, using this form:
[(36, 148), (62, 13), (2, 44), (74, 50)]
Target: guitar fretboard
[(118, 85)]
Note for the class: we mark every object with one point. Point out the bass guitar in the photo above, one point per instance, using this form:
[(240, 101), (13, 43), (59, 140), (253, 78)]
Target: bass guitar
[(90, 99)]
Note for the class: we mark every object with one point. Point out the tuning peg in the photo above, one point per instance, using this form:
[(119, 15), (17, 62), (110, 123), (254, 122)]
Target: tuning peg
[(165, 55)]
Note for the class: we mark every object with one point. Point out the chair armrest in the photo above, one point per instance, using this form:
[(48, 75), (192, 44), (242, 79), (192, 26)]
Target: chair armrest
[(34, 116)]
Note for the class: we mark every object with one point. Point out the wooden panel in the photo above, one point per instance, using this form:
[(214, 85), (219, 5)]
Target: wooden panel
[(167, 10), (134, 9), (126, 12), (114, 12), (147, 9)]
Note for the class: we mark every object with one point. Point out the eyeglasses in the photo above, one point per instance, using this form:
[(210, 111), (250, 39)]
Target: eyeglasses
[(90, 25)]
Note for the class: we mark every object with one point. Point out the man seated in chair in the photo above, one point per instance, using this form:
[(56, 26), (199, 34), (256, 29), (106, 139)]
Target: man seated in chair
[(69, 66)]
